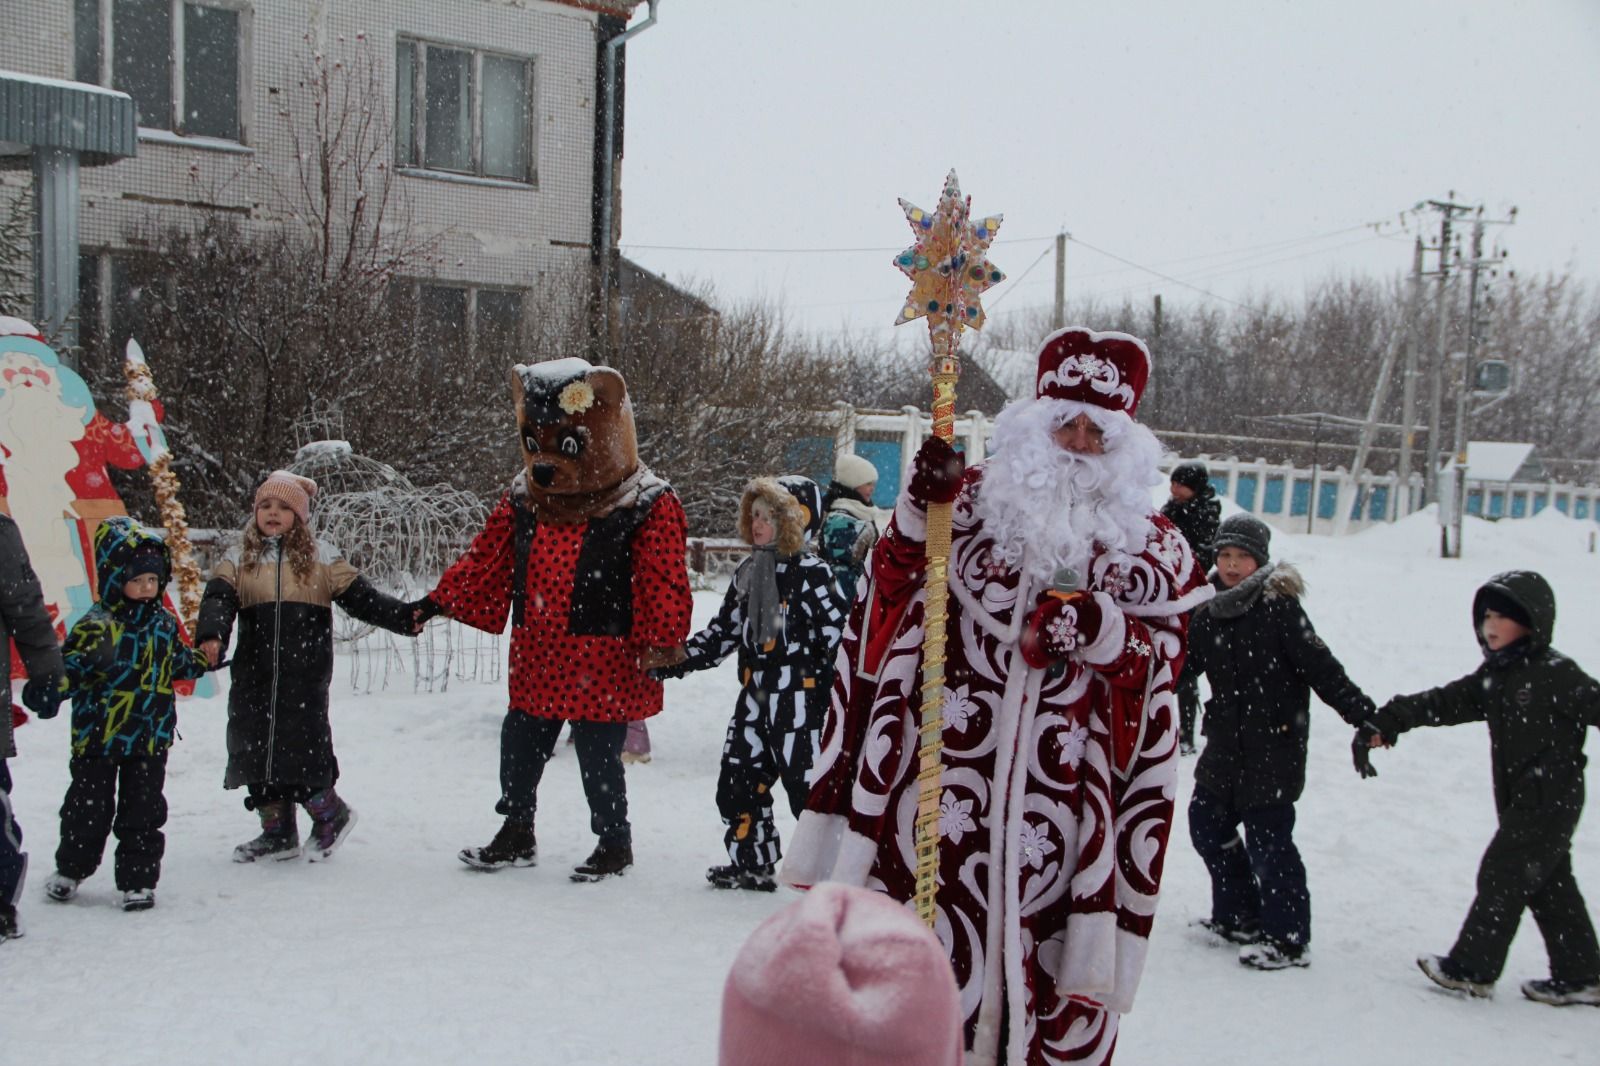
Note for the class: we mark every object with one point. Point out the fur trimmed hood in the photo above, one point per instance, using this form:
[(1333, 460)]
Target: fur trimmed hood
[(786, 511), (1269, 582)]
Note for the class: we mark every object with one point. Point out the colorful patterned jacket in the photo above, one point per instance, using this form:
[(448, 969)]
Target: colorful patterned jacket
[(123, 656)]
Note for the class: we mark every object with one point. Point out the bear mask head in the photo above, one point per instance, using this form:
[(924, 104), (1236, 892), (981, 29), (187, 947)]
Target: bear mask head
[(575, 424)]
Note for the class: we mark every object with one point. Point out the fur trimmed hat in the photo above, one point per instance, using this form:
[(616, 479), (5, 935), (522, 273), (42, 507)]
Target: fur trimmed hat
[(787, 514), (1246, 532), (852, 471), (291, 490), (1107, 370), (842, 975)]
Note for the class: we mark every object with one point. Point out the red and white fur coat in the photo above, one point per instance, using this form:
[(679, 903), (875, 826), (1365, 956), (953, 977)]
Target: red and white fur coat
[(1057, 792)]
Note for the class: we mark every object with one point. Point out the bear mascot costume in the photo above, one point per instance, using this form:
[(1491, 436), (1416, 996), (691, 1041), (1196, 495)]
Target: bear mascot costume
[(585, 552)]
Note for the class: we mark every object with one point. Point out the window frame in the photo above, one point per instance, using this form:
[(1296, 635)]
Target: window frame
[(176, 30), (411, 290), (410, 155)]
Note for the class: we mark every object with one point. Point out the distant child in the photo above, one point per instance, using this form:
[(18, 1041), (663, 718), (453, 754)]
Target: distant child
[(281, 584), (1539, 705), (1256, 645), (25, 620), (121, 660), (779, 610), (1194, 509), (849, 528)]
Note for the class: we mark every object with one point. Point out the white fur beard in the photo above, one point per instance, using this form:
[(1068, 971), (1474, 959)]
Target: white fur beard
[(40, 438), (1046, 508)]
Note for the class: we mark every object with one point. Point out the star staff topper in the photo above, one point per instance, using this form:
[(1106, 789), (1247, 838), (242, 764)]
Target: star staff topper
[(949, 264)]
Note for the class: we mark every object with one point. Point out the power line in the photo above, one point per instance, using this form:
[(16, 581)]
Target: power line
[(802, 251), (1159, 274)]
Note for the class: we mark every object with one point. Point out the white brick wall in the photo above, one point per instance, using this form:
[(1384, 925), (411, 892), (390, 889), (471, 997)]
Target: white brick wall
[(491, 234)]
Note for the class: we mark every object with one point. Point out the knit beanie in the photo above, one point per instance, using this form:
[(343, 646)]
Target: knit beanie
[(842, 976), (290, 489), (1191, 476), (852, 471), (147, 559), (1244, 531)]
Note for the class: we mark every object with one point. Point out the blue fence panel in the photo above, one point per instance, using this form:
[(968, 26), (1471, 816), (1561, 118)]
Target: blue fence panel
[(1519, 505), (1475, 502), (1272, 496), (885, 456), (1300, 497), (1219, 485), (1244, 492), (811, 456), (1327, 499), (1539, 503), (1580, 508), (1378, 505), (1563, 503), (1497, 504)]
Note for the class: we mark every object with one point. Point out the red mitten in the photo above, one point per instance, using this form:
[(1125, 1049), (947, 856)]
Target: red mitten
[(1059, 626), (935, 472), (18, 716)]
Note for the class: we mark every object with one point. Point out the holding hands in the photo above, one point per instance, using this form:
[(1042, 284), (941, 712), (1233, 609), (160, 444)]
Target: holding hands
[(43, 695)]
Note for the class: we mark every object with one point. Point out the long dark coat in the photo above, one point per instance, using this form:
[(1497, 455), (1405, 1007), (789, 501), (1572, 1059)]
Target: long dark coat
[(278, 728), (1263, 658)]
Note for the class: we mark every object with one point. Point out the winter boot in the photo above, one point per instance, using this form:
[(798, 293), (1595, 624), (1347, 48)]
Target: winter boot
[(1271, 955), (59, 887), (280, 835), (1246, 932), (757, 879), (513, 845), (331, 821), (606, 860), (10, 927), (1444, 973), (138, 899), (1563, 993)]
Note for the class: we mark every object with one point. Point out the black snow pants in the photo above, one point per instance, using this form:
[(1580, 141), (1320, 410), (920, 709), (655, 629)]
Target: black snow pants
[(1528, 864), (526, 744), (119, 794)]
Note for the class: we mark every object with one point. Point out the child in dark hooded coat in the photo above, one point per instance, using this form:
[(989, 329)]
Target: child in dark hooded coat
[(1194, 509)]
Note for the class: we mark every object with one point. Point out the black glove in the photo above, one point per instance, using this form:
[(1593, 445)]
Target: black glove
[(422, 611), (1361, 749), (43, 695), (935, 472)]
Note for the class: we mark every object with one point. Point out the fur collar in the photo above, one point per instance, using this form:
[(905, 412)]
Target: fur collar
[(570, 509), (1270, 582)]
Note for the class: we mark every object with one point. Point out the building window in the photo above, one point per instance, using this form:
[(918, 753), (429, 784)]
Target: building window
[(464, 111), (179, 61), (455, 319)]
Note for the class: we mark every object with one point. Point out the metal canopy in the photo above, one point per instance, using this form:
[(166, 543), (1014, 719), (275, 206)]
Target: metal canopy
[(99, 124)]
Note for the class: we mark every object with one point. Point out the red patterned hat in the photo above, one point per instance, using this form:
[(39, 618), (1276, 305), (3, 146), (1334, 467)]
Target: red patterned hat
[(1104, 369)]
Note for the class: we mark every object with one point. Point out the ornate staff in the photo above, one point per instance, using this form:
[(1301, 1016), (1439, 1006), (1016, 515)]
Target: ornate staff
[(152, 442), (949, 270)]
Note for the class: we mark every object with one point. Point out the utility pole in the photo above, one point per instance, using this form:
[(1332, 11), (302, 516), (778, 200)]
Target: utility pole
[(1408, 411), (1060, 319), (1475, 325), (1448, 210)]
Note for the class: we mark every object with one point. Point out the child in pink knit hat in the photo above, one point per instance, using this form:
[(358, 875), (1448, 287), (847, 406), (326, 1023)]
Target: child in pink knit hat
[(842, 976), (279, 587)]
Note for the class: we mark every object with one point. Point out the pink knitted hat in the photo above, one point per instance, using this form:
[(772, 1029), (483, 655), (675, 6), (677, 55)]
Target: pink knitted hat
[(290, 489), (841, 976)]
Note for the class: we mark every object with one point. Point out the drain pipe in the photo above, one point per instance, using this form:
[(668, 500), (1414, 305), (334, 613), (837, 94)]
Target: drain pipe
[(608, 273)]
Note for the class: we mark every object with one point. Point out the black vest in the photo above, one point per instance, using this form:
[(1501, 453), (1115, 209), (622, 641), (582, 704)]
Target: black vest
[(602, 585)]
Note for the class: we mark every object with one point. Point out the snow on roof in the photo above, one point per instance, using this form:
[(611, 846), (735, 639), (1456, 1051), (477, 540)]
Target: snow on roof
[(63, 83), (16, 327), (1495, 460)]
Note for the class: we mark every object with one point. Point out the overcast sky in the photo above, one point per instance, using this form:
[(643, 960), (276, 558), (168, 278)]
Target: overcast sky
[(1236, 147)]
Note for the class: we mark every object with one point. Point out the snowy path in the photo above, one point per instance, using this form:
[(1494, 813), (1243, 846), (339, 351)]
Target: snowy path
[(395, 953)]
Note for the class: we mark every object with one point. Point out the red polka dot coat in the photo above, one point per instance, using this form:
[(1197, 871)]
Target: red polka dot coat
[(555, 673)]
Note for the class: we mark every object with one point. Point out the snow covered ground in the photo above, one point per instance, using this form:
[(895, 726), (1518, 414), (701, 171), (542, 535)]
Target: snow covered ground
[(394, 952)]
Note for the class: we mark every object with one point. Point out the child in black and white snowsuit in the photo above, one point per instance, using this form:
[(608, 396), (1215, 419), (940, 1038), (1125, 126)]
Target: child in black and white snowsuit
[(779, 611), (122, 658), (1194, 509), (281, 585), (1539, 706), (1256, 645)]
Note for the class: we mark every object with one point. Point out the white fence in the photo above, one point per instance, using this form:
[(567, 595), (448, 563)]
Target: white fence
[(1301, 499)]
